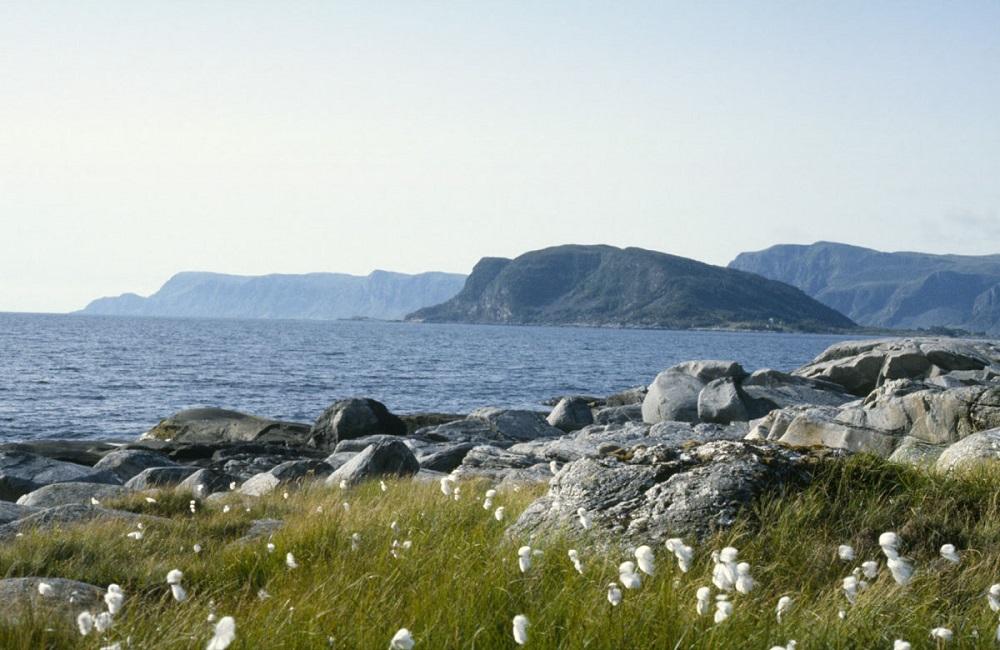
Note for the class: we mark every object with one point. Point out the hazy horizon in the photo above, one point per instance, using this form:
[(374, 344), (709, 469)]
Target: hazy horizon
[(146, 139)]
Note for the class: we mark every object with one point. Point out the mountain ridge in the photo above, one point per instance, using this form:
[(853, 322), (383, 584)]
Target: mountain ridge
[(898, 290), (320, 296)]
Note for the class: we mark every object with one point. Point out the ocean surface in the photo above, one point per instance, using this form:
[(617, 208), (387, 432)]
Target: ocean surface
[(74, 376)]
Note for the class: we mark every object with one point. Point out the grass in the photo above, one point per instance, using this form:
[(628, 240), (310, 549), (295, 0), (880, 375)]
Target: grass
[(459, 586)]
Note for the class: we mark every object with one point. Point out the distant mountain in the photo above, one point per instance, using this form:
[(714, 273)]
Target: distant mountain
[(380, 294), (895, 290), (632, 287)]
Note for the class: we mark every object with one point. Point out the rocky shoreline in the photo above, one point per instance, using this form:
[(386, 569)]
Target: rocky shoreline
[(680, 456)]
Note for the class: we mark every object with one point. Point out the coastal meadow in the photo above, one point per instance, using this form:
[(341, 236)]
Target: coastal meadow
[(402, 561)]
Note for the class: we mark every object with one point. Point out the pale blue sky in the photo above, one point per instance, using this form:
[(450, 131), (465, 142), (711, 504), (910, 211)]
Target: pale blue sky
[(138, 139)]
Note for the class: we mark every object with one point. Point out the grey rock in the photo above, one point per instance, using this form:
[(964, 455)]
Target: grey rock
[(619, 414), (501, 427), (81, 452), (445, 457), (205, 482), (126, 463), (61, 516), (58, 494), (626, 397), (354, 445), (338, 458), (384, 458), (261, 528), (68, 598), (720, 402), (570, 414), (22, 472), (673, 395), (354, 418), (12, 512), (213, 425), (159, 477), (913, 451), (291, 472), (970, 451), (492, 462), (658, 492), (766, 390)]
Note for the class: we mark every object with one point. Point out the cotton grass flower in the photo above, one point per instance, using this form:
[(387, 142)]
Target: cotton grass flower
[(85, 623), (993, 597), (723, 609), (682, 552), (401, 640), (524, 558), (574, 557), (949, 553), (850, 587), (789, 646), (724, 571), (355, 541), (902, 571), (102, 622), (290, 561), (520, 629), (647, 562), (704, 599), (628, 577), (114, 599), (614, 594), (845, 552), (45, 589), (899, 644), (382, 486), (270, 547), (870, 569), (784, 605), (135, 534), (942, 634), (448, 485), (174, 578), (225, 632), (744, 582), (488, 502), (499, 513), (196, 548), (584, 518)]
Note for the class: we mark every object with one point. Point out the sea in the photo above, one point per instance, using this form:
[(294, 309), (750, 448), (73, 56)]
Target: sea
[(79, 376)]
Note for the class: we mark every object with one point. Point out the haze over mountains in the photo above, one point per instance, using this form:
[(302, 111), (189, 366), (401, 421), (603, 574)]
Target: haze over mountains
[(631, 287), (323, 296), (892, 290)]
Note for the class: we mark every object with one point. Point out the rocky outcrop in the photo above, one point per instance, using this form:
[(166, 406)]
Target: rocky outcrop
[(126, 463), (654, 493), (291, 472), (159, 477), (354, 418), (383, 458), (970, 451), (212, 425), (862, 366)]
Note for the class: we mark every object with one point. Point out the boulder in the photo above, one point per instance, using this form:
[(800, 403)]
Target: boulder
[(494, 463), (205, 482), (975, 449), (720, 402), (354, 418), (673, 395), (626, 397), (68, 598), (570, 414), (213, 425), (291, 472), (159, 477), (59, 494), (21, 472), (655, 493), (126, 463), (384, 458), (619, 414), (493, 426)]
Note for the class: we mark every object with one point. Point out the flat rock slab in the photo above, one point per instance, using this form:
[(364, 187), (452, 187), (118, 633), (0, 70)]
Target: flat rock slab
[(61, 516), (81, 452), (220, 425), (21, 599), (21, 472), (59, 494)]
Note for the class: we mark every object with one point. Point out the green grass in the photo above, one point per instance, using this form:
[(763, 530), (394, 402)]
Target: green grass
[(459, 586)]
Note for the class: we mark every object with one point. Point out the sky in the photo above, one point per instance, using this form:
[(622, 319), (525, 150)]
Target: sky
[(142, 138)]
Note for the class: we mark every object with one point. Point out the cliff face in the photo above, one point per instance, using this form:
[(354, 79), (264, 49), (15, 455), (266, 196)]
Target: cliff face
[(898, 290), (315, 296), (632, 287)]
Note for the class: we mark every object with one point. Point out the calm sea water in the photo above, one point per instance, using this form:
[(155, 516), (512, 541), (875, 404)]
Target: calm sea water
[(85, 376)]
